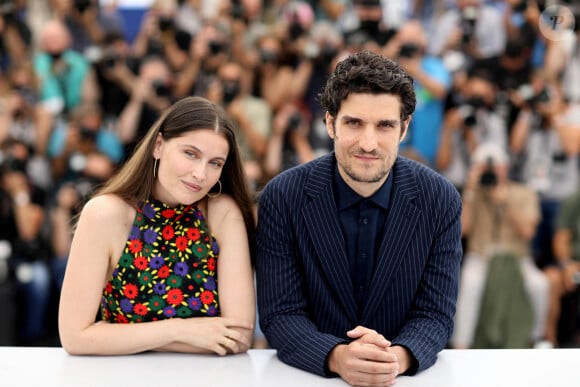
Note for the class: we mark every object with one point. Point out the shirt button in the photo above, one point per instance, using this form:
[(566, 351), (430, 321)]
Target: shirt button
[(365, 221)]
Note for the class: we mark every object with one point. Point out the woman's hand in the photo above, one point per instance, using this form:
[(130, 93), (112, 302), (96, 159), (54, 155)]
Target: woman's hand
[(220, 335)]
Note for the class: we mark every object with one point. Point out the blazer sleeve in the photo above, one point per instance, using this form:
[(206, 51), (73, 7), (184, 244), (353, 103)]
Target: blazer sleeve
[(283, 302), (430, 321)]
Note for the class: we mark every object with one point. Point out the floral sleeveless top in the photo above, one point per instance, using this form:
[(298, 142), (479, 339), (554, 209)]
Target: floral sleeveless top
[(167, 269)]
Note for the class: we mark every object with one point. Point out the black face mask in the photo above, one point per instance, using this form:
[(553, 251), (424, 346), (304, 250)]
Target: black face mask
[(231, 90), (55, 55), (87, 134), (268, 56), (371, 27)]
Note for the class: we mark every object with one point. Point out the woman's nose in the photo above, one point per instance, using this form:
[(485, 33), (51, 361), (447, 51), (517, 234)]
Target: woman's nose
[(198, 172)]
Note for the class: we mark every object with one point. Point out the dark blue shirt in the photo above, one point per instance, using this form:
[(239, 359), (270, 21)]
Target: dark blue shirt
[(362, 221)]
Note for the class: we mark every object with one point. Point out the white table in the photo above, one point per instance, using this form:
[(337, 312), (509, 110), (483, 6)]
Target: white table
[(22, 366)]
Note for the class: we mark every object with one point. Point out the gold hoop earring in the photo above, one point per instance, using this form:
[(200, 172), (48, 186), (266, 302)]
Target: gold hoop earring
[(155, 168), (215, 195)]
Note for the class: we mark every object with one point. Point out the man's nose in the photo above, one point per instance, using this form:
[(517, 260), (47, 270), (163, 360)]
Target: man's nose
[(368, 139)]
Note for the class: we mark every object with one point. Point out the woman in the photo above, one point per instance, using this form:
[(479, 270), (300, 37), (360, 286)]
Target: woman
[(144, 249)]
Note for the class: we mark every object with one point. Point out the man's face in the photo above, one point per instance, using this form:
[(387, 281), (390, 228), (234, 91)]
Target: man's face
[(367, 131)]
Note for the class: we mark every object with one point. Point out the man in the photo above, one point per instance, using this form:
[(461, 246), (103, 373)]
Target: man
[(432, 83), (499, 219), (65, 75), (360, 245)]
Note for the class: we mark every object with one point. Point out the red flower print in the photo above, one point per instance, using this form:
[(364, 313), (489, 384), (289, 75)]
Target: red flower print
[(168, 232), (130, 291), (193, 234), (206, 297), (168, 213), (211, 264), (140, 262), (109, 288), (163, 272), (140, 309), (122, 319), (181, 243), (135, 246), (174, 297)]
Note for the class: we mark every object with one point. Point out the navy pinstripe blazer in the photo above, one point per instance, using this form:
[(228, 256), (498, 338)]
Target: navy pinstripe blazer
[(305, 295)]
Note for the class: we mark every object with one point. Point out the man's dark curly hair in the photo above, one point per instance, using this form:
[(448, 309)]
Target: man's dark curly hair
[(368, 72)]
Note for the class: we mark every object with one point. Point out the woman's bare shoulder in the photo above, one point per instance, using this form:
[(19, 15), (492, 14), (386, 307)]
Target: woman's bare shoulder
[(107, 208), (223, 206)]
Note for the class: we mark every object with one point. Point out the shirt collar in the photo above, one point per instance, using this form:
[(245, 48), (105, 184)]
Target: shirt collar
[(346, 196)]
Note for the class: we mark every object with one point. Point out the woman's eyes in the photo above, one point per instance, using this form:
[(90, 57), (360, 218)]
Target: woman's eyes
[(215, 163)]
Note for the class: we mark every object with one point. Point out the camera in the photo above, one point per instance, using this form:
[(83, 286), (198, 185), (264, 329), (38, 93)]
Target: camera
[(488, 177), (237, 9), (469, 110), (9, 163), (215, 47), (526, 93), (520, 7), (109, 59), (294, 122), (82, 5), (468, 20), (27, 94), (368, 3), (165, 23), (408, 50), (7, 10)]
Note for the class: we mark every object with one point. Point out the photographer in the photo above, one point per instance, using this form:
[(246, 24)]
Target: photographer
[(160, 36), (371, 28), (65, 75), (564, 274), (473, 121), (252, 115), (83, 152), (116, 74), (25, 120), (472, 31), (288, 145), (15, 36), (22, 216), (432, 83), (152, 93), (499, 218), (546, 137)]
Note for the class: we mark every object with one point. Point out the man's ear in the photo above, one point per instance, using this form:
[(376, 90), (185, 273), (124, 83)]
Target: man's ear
[(329, 122), (405, 128)]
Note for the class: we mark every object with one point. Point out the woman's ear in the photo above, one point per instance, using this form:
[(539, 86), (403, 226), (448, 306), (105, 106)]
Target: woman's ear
[(158, 146)]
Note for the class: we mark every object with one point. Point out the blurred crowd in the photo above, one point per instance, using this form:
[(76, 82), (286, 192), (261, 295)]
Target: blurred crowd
[(77, 93)]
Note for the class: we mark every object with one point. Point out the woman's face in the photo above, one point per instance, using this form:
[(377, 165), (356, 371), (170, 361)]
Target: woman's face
[(189, 166)]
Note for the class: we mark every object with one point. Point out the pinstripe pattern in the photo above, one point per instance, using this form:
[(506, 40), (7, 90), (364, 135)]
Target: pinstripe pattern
[(305, 293)]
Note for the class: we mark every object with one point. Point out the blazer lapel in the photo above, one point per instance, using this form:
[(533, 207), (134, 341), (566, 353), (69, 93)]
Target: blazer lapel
[(324, 229), (398, 233)]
